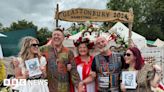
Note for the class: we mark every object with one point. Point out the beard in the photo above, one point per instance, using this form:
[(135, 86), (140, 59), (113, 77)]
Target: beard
[(104, 49)]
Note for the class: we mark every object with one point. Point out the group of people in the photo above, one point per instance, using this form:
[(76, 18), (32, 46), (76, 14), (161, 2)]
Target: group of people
[(83, 73)]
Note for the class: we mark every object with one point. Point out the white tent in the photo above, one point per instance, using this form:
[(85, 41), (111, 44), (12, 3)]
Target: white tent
[(159, 43), (123, 31), (1, 53), (76, 36), (68, 42), (2, 35)]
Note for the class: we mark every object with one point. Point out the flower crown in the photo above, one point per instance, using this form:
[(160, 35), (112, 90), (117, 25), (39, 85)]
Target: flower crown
[(83, 40)]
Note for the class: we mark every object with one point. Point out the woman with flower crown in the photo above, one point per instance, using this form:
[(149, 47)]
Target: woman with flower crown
[(84, 62)]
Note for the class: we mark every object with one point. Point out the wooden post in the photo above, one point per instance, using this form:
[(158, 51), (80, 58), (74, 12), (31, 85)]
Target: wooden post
[(130, 24), (56, 15)]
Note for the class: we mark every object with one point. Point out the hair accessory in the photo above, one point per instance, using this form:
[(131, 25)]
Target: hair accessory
[(83, 40)]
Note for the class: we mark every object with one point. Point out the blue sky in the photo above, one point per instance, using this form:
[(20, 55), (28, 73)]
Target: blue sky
[(41, 12)]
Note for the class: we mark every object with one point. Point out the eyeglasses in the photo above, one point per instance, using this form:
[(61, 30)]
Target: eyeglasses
[(127, 54), (35, 45)]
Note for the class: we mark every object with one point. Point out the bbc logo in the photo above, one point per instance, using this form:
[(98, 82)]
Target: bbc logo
[(11, 82)]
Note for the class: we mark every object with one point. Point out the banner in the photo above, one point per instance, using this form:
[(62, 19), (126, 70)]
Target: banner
[(81, 15)]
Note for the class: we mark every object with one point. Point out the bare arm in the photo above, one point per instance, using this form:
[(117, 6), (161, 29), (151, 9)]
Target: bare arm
[(90, 78), (18, 70), (43, 69), (157, 77)]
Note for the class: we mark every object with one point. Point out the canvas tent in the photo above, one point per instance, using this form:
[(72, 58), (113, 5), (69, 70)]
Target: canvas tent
[(2, 35), (10, 44), (1, 52), (118, 28), (123, 31), (68, 42), (159, 43)]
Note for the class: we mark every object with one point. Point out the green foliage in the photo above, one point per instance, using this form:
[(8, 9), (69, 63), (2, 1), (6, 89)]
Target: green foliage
[(1, 26), (22, 24), (43, 35), (19, 25), (148, 16), (5, 29)]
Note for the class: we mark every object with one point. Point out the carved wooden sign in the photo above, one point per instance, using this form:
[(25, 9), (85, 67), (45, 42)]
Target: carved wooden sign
[(82, 14)]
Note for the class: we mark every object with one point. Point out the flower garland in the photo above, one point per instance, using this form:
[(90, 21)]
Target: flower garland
[(84, 40)]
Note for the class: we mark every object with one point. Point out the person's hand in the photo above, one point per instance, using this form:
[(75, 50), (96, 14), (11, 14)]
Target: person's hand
[(157, 67), (26, 74), (123, 89), (15, 62), (69, 67), (93, 74), (81, 87), (42, 68), (157, 78)]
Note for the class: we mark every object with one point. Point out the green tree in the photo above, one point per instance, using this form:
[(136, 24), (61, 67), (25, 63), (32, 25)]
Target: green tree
[(19, 25), (157, 15), (22, 24), (145, 12), (43, 35), (6, 29), (1, 26)]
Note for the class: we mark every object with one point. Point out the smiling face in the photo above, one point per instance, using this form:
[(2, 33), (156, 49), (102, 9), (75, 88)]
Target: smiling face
[(102, 44), (34, 46), (82, 49), (129, 57), (57, 38)]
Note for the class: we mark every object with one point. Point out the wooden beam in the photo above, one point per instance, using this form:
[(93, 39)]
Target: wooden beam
[(130, 24), (56, 16)]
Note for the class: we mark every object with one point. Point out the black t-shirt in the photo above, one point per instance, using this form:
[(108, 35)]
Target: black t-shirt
[(94, 63)]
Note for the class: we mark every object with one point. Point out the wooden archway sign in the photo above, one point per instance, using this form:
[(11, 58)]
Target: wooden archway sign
[(83, 14)]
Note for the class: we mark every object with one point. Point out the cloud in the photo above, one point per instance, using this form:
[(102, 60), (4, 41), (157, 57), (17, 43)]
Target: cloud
[(97, 4), (41, 12), (69, 4)]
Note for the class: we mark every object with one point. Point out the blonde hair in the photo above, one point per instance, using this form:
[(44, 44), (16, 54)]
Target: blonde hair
[(25, 45)]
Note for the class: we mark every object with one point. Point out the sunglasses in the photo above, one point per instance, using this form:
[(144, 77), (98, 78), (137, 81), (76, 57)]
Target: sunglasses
[(34, 45), (127, 54)]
